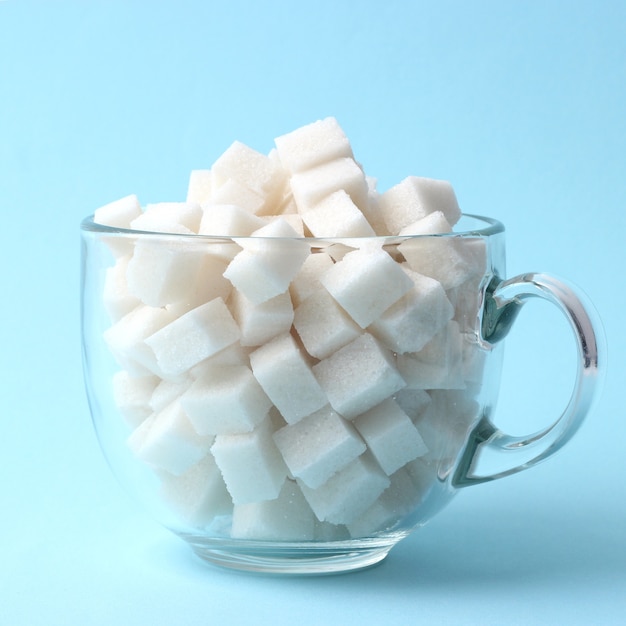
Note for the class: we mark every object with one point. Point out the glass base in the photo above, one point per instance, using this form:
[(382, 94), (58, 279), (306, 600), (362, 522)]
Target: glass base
[(292, 558)]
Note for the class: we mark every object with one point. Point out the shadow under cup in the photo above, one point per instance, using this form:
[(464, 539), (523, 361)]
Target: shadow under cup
[(301, 405)]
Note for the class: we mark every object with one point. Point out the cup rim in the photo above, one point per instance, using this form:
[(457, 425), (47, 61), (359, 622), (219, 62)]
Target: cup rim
[(486, 227)]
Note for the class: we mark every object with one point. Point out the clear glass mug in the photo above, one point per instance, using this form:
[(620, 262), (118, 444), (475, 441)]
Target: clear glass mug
[(301, 405)]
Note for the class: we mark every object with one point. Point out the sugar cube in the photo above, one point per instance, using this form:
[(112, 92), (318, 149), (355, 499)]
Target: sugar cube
[(251, 465), (285, 518), (193, 337), (313, 144), (390, 436), (287, 378), (366, 282), (358, 376), (318, 446), (225, 400), (349, 492)]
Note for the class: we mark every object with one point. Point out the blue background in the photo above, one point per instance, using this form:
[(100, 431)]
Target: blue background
[(521, 105)]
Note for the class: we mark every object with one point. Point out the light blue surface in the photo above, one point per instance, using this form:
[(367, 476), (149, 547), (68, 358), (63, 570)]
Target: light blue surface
[(521, 105)]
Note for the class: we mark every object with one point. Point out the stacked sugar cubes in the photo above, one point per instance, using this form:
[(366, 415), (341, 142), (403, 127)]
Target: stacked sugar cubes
[(296, 375)]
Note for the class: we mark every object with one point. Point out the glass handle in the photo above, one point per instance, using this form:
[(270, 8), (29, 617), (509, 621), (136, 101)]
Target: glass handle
[(490, 445)]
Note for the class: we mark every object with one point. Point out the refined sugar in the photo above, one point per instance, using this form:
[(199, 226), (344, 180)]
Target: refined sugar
[(336, 216), (294, 220), (348, 493), (310, 186), (234, 192), (119, 213), (390, 436), (199, 186), (251, 465), (250, 168), (397, 501), (225, 400), (161, 272), (235, 354), (286, 518), (307, 280), (318, 446), (115, 296), (371, 209), (439, 257), (265, 266), (163, 217), (365, 283), (228, 219), (261, 322), (132, 396), (412, 321), (167, 391), (209, 284), (168, 441), (312, 145), (287, 378), (193, 337), (126, 339), (439, 365), (323, 326), (414, 198), (199, 494), (358, 376)]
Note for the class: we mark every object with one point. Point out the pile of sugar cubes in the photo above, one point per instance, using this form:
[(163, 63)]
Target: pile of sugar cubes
[(298, 376)]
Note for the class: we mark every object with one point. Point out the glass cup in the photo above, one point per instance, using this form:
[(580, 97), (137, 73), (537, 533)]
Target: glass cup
[(300, 405)]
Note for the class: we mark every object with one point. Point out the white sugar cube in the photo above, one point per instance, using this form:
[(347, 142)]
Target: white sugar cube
[(349, 492), (438, 257), (310, 186), (168, 441), (286, 518), (116, 298), (209, 283), (251, 465), (287, 378), (318, 446), (132, 396), (166, 392), (228, 219), (126, 339), (256, 171), (163, 217), (234, 192), (438, 365), (358, 376), (372, 211), (307, 280), (310, 145), (336, 215), (323, 326), (161, 272), (411, 322), (198, 495), (414, 198), (235, 354), (390, 436), (193, 337), (265, 266), (199, 186), (397, 501), (365, 283), (119, 213), (225, 400), (261, 322)]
